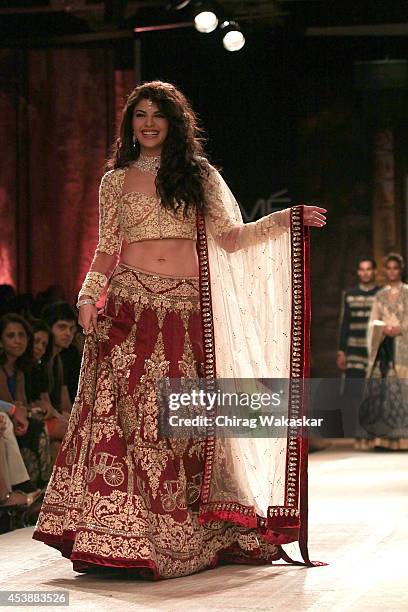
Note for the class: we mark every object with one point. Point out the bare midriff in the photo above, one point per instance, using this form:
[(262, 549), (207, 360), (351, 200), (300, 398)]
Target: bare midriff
[(167, 256)]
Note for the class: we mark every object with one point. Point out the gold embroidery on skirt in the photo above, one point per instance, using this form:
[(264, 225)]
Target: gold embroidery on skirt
[(113, 469)]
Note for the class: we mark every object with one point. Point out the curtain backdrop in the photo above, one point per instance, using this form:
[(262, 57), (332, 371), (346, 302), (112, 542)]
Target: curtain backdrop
[(8, 195), (65, 115), (11, 102)]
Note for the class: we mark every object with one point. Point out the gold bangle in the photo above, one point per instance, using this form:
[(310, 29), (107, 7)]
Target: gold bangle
[(83, 302)]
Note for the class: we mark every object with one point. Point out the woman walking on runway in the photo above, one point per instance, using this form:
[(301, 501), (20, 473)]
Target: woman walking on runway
[(384, 409), (196, 293)]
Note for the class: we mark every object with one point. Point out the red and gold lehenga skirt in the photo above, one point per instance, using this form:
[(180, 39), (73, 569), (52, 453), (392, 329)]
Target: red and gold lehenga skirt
[(119, 496)]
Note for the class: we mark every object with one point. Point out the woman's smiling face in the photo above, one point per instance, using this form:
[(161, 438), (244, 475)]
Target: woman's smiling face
[(150, 126)]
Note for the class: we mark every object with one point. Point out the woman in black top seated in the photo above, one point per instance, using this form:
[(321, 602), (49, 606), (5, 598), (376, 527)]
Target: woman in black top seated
[(37, 385)]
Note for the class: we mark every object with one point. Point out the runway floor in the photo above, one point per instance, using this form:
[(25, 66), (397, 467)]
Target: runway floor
[(358, 524)]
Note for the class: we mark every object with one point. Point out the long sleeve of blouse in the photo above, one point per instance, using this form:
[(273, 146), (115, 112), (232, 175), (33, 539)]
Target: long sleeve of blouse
[(109, 243), (231, 234)]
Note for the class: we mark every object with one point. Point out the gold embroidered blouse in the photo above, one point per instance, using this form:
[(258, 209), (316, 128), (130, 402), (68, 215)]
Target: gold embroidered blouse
[(136, 216)]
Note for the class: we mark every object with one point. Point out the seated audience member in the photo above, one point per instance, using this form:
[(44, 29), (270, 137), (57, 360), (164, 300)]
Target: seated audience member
[(61, 319), (15, 486), (16, 358), (37, 386)]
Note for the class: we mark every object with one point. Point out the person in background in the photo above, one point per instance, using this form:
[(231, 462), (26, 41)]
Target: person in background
[(16, 488), (384, 410), (37, 386), (36, 379), (16, 358), (61, 319), (352, 357)]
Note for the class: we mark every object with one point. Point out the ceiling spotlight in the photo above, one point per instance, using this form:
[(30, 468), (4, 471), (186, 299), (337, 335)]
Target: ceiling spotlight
[(232, 37), (177, 5), (205, 19)]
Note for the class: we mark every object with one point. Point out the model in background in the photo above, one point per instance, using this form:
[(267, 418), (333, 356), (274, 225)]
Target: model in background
[(384, 411)]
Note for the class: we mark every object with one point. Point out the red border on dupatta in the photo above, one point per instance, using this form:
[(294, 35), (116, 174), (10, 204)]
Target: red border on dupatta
[(208, 342), (287, 523)]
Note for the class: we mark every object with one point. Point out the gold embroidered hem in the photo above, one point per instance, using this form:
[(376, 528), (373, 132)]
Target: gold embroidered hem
[(120, 496)]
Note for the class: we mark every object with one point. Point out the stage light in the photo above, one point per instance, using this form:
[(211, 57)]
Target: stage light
[(177, 5), (205, 19), (232, 37)]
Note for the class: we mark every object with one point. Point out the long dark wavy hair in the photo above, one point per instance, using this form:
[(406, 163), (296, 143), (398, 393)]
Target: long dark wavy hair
[(184, 166), (24, 362)]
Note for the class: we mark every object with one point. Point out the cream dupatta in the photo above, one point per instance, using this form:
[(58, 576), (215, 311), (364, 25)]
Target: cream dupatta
[(255, 305)]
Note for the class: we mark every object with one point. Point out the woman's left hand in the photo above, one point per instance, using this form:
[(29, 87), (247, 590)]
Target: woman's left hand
[(314, 215)]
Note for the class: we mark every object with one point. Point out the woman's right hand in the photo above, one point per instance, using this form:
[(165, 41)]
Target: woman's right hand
[(88, 316)]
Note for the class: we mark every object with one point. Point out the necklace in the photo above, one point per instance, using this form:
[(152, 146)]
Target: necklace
[(148, 163)]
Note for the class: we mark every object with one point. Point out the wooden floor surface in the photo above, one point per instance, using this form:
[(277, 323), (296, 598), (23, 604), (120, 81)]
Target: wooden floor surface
[(358, 524)]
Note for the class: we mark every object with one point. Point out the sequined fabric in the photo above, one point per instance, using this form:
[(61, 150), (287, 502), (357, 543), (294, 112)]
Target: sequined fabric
[(135, 216), (142, 217)]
